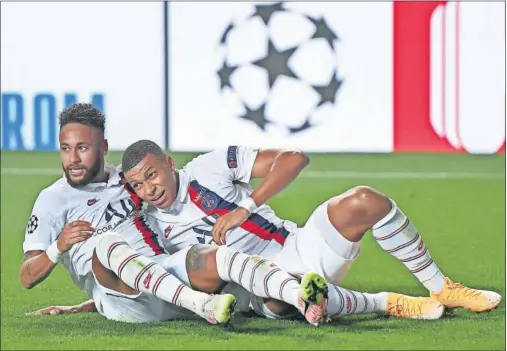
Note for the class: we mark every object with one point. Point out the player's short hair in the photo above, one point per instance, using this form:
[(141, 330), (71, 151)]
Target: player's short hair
[(137, 151), (82, 113)]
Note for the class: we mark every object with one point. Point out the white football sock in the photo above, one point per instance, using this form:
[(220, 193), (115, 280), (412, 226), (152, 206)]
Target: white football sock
[(143, 274), (344, 302), (397, 236), (259, 276)]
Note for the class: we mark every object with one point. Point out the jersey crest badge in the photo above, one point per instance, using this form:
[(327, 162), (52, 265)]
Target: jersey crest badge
[(209, 201)]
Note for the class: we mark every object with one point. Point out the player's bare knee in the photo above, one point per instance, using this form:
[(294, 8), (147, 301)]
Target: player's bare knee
[(97, 267), (106, 277), (357, 210), (367, 203), (202, 268), (199, 256)]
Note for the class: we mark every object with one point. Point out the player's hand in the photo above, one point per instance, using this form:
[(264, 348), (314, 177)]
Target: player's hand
[(74, 233), (54, 310), (230, 221)]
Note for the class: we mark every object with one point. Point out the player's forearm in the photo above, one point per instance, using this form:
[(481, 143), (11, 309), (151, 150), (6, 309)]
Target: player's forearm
[(35, 269), (87, 306), (285, 168)]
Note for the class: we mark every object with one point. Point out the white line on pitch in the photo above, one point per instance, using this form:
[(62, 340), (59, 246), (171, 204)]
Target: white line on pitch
[(315, 174)]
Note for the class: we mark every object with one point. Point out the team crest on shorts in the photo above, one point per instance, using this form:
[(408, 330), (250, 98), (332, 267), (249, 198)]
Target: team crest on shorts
[(209, 201)]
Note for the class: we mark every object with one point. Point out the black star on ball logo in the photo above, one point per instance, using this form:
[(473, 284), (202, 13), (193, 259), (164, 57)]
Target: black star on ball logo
[(323, 31), (266, 11), (306, 124), (328, 92), (256, 116), (224, 74), (276, 63)]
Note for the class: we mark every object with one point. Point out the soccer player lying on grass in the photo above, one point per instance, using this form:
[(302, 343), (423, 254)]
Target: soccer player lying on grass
[(210, 199), (78, 219), (72, 220)]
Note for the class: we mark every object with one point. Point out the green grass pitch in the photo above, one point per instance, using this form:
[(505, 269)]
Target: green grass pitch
[(460, 214)]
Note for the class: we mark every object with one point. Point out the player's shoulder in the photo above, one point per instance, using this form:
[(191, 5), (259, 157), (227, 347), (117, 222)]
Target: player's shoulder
[(54, 196), (217, 167), (59, 189), (223, 157), (206, 156), (207, 162), (209, 168)]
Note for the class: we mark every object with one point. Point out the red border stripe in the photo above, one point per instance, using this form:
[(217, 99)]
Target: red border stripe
[(148, 236)]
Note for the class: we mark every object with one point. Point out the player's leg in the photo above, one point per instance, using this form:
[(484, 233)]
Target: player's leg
[(139, 308), (264, 307), (209, 265), (362, 208), (344, 302), (308, 249), (118, 267)]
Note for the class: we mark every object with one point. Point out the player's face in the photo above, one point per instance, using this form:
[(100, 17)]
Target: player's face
[(82, 151), (154, 181)]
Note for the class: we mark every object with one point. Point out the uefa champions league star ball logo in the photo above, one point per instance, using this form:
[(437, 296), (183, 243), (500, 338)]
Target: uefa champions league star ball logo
[(279, 69), (32, 225)]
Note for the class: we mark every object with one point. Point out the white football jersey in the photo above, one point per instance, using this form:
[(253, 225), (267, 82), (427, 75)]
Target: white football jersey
[(211, 186), (104, 205)]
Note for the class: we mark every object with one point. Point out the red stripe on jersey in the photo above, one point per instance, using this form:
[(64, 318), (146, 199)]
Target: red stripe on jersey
[(148, 236), (135, 199), (248, 225)]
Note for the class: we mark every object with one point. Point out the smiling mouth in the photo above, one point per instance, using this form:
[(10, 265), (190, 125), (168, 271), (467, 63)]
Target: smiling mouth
[(76, 171), (158, 197)]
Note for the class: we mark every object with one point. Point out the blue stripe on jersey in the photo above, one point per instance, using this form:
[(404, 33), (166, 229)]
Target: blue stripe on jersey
[(207, 221), (229, 206)]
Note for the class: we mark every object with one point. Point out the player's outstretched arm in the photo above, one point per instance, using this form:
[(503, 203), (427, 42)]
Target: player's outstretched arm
[(87, 306), (277, 168)]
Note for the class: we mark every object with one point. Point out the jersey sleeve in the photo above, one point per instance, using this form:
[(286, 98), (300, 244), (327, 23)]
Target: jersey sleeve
[(240, 161), (234, 163), (44, 224)]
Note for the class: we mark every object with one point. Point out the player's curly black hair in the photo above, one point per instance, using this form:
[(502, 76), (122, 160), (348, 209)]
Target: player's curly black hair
[(137, 151), (82, 113)]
